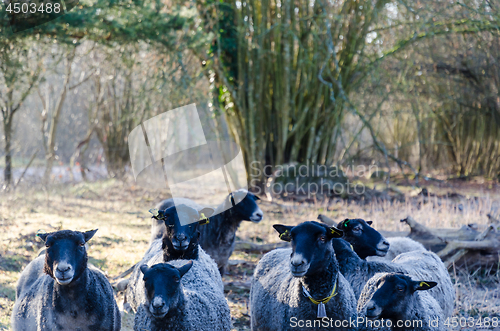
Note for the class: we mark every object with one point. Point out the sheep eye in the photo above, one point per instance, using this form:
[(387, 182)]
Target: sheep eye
[(176, 279), (82, 244), (400, 288), (322, 238), (47, 245)]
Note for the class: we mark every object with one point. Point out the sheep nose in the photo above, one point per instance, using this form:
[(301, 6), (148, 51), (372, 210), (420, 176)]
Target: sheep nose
[(259, 214), (63, 267), (180, 237), (386, 243), (370, 307), (158, 303), (297, 262)]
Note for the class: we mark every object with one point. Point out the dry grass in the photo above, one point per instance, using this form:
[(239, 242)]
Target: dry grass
[(119, 210)]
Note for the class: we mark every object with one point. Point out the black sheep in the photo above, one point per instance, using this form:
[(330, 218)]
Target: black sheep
[(217, 237), (58, 291)]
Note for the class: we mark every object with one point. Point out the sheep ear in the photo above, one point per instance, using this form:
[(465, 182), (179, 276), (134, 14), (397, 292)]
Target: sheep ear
[(185, 268), (154, 212), (335, 233), (284, 231), (231, 196), (369, 222), (42, 235), (254, 196), (422, 285), (157, 214), (144, 268), (89, 234), (207, 211), (344, 223)]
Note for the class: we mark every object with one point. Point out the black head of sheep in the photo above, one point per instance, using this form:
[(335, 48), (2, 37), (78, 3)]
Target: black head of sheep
[(66, 255), (392, 296), (163, 287), (311, 246), (365, 240), (244, 206), (179, 237)]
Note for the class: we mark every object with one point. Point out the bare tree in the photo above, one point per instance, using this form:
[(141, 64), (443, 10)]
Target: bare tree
[(20, 72)]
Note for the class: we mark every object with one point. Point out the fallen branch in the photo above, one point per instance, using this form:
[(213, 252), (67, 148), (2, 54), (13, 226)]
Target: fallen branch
[(250, 247), (237, 286)]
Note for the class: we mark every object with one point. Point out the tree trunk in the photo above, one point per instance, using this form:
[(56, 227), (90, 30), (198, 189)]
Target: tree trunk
[(7, 129), (51, 141)]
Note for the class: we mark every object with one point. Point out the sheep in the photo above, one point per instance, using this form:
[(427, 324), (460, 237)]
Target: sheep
[(58, 290), (177, 299), (178, 242), (401, 303), (418, 264), (370, 245), (365, 240), (278, 299), (217, 237)]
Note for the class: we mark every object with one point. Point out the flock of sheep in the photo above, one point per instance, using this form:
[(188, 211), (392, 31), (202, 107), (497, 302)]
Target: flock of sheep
[(347, 277)]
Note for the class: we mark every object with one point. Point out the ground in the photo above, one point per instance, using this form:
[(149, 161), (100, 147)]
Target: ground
[(119, 209)]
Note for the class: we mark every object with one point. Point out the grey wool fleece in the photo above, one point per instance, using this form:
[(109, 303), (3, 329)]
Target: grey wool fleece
[(421, 307), (203, 305), (204, 268), (277, 299), (398, 245), (89, 304)]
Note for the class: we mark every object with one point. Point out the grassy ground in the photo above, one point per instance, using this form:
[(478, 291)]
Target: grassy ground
[(119, 210)]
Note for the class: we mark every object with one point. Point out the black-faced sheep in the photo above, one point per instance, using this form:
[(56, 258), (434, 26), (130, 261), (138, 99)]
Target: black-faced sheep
[(217, 237), (59, 291), (175, 301), (291, 288), (402, 303), (178, 242), (365, 240), (369, 244), (418, 264)]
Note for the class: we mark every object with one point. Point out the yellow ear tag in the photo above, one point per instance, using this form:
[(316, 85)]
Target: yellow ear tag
[(203, 218), (424, 283), (333, 231), (352, 248), (154, 211), (283, 234)]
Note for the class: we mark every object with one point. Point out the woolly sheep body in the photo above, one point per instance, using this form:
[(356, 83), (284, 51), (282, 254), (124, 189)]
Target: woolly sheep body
[(275, 292), (30, 275), (422, 307), (398, 245), (203, 272), (205, 306), (34, 308)]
